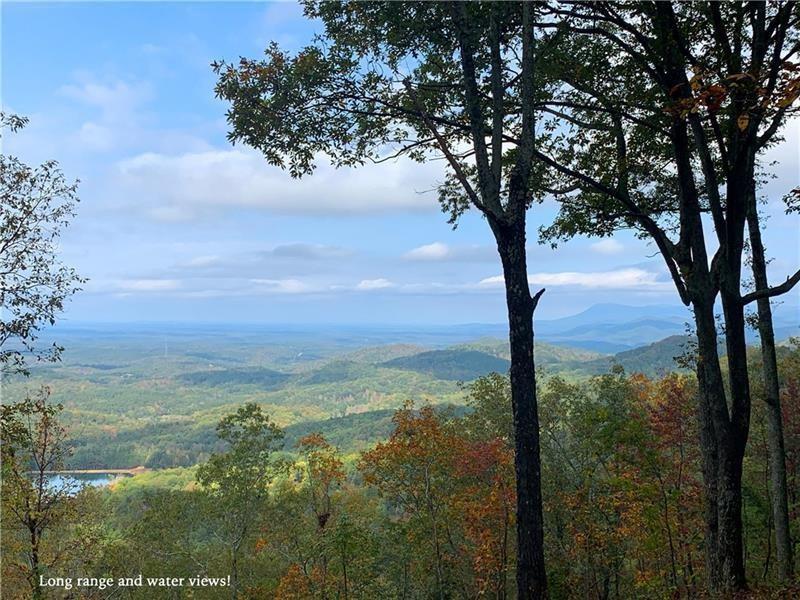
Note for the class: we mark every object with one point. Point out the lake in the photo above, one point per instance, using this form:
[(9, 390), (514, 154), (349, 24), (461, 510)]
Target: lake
[(82, 480)]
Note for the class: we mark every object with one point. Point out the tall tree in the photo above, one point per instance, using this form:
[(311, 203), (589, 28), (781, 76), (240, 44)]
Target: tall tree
[(450, 80), (236, 480), (772, 397), (37, 204), (665, 108), (323, 472), (34, 444)]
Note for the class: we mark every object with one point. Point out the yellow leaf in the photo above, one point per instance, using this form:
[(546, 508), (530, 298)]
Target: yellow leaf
[(743, 121)]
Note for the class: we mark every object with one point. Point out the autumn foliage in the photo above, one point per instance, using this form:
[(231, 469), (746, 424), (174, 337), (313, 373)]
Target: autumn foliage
[(430, 511)]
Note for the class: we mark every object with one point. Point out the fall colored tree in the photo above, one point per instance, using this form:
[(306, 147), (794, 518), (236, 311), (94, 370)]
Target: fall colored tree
[(413, 470), (453, 80), (665, 109), (236, 480), (34, 502)]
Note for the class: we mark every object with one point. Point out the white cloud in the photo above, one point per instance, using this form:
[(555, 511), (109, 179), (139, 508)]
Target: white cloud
[(622, 278), (113, 99), (439, 252), (608, 246), (434, 251), (95, 136), (198, 184), (619, 279), (374, 284), (116, 108), (494, 281), (305, 251), (283, 286), (149, 285), (202, 261)]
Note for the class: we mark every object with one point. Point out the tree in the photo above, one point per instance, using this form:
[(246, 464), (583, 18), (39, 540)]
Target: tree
[(324, 472), (236, 480), (37, 204), (450, 80), (485, 503), (663, 111), (772, 398), (413, 469), (593, 441), (34, 444), (674, 464), (489, 400)]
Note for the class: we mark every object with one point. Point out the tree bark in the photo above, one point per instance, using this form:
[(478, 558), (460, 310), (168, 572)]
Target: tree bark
[(775, 443), (722, 452), (531, 578), (731, 541), (35, 570)]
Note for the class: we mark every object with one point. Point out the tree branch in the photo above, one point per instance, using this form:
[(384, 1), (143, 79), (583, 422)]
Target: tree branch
[(771, 292)]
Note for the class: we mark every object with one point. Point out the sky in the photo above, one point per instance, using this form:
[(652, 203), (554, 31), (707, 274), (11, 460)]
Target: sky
[(175, 224)]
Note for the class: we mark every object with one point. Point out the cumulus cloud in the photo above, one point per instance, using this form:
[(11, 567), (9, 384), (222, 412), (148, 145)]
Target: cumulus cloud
[(198, 184), (223, 284), (607, 246), (619, 279), (434, 251), (440, 252)]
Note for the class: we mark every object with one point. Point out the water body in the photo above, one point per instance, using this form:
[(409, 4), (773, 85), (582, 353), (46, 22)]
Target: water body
[(77, 482)]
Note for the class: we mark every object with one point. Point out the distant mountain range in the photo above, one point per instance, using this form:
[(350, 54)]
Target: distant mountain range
[(467, 362), (612, 328), (602, 328), (168, 385)]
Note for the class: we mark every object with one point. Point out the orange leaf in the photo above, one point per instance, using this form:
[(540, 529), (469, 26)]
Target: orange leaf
[(743, 121)]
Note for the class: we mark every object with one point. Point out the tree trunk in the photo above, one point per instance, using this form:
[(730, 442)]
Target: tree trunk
[(35, 571), (234, 575), (731, 545), (722, 451), (531, 578), (777, 451)]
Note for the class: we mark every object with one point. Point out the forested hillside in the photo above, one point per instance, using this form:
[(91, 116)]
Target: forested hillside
[(403, 300), (354, 505), (128, 404)]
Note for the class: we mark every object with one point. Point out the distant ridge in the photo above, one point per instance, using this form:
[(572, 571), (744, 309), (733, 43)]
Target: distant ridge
[(453, 364), (653, 360), (605, 328)]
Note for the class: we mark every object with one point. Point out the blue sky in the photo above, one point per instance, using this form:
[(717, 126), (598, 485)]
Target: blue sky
[(175, 224)]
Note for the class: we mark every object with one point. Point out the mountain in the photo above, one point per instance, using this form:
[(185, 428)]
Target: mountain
[(546, 354), (351, 432), (654, 360), (452, 364), (609, 313), (614, 327), (379, 354)]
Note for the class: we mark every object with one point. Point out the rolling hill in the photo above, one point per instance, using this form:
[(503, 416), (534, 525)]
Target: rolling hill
[(452, 364), (653, 360)]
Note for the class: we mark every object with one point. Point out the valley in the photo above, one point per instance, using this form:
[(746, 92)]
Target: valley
[(151, 394)]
